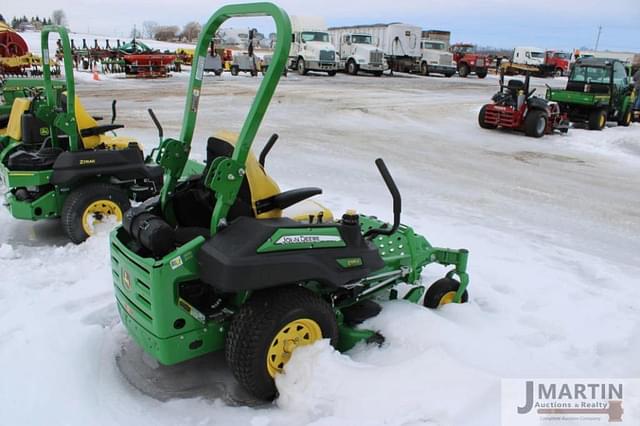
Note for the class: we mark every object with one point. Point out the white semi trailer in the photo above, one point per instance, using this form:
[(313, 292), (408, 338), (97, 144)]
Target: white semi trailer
[(399, 42), (311, 48), (357, 52)]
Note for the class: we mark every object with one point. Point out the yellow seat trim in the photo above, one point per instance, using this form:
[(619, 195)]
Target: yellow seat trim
[(14, 128)]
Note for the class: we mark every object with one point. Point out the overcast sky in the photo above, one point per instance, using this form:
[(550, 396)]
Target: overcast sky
[(558, 24)]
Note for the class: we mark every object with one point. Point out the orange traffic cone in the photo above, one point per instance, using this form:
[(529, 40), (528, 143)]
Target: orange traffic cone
[(96, 77)]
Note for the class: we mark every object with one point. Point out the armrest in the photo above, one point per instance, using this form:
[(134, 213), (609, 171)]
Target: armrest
[(285, 199), (99, 130)]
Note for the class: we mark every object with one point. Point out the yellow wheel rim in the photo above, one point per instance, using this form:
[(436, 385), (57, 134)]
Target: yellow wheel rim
[(447, 298), (297, 333), (602, 121), (96, 212)]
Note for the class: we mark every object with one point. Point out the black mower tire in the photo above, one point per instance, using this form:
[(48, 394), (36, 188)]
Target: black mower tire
[(254, 328), (626, 119), (481, 72), (463, 70), (439, 290), (533, 126), (481, 121), (79, 201), (597, 119)]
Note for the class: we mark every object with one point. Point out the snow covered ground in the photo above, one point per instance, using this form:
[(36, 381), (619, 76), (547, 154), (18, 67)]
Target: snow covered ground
[(552, 224)]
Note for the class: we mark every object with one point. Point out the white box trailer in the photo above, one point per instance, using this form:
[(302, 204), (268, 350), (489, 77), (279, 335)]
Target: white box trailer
[(399, 42), (311, 48)]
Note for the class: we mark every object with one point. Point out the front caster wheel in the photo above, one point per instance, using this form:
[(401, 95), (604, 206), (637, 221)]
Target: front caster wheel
[(443, 292)]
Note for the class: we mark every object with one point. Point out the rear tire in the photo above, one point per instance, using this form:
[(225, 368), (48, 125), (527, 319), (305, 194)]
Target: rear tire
[(535, 123), (255, 349), (481, 72), (88, 203), (481, 120), (463, 71), (440, 293), (625, 121), (597, 119)]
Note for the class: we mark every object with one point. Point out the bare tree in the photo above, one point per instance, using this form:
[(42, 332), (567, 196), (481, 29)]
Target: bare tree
[(166, 32), (59, 17), (191, 31), (149, 29), (135, 33)]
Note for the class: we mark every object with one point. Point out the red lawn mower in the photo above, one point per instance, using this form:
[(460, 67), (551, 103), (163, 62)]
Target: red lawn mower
[(514, 107)]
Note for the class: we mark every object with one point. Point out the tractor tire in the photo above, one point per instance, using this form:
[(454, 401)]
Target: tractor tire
[(88, 204), (352, 67), (300, 65), (626, 118), (481, 72), (442, 292), (481, 121), (333, 73), (235, 70), (463, 70), (424, 68), (535, 123), (268, 328), (597, 119)]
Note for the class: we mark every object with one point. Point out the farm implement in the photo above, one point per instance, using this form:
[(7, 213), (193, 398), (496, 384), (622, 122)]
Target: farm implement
[(598, 90), (15, 58), (57, 161), (226, 261), (515, 107)]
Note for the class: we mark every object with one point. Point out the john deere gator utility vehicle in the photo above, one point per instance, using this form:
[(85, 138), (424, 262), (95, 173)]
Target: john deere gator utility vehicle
[(214, 263), (58, 162), (515, 107), (598, 91)]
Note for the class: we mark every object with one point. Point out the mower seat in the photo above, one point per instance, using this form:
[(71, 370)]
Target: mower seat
[(93, 135), (14, 124)]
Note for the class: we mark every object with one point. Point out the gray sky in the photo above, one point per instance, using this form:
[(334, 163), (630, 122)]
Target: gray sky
[(560, 24)]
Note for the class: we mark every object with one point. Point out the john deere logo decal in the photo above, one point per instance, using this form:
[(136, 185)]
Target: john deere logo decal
[(307, 239), (126, 280), (44, 131)]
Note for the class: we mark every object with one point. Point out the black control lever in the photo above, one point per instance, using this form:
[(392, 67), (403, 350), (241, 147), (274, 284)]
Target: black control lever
[(157, 123), (113, 111), (265, 151), (397, 202)]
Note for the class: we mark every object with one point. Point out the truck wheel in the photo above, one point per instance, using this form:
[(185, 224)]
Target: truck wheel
[(626, 119), (424, 68), (443, 292), (268, 328), (597, 119), (235, 70), (481, 72), (218, 73), (535, 123), (332, 73), (352, 67), (463, 70), (378, 73), (481, 120), (449, 74), (302, 68), (558, 72), (89, 205)]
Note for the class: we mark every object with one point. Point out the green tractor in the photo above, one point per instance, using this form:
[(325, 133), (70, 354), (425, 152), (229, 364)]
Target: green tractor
[(217, 263), (598, 91), (58, 162)]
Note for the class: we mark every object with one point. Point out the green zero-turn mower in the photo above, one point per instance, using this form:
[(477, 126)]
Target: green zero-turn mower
[(58, 162), (211, 265)]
